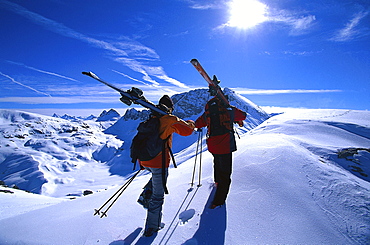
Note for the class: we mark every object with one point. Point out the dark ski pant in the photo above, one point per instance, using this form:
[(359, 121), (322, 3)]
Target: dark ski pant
[(154, 213), (222, 174)]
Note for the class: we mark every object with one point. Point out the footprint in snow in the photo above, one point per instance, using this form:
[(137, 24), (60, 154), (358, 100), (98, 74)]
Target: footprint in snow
[(186, 215)]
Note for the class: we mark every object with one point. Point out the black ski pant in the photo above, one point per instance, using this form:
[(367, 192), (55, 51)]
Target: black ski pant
[(222, 174)]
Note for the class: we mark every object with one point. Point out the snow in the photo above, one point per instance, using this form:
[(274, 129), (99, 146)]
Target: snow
[(300, 177)]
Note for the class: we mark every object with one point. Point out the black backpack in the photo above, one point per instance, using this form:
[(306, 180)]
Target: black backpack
[(219, 117), (147, 144)]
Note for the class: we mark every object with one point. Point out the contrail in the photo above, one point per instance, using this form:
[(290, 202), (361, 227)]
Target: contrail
[(46, 72), (133, 79), (14, 81)]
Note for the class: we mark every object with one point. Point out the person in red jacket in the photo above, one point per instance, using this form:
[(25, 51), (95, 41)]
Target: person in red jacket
[(221, 143), (168, 124)]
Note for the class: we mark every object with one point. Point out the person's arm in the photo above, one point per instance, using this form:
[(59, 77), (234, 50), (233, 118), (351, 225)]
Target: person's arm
[(201, 121), (171, 124)]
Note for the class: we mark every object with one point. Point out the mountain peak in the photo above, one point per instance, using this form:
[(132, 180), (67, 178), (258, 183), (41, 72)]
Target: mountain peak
[(111, 115)]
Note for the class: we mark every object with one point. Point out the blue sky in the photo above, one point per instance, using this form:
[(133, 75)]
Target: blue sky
[(288, 53)]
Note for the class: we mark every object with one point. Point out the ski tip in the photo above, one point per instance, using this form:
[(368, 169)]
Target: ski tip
[(194, 62), (90, 74)]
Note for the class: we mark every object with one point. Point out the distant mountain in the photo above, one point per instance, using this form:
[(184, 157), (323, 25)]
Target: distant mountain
[(111, 115), (74, 118)]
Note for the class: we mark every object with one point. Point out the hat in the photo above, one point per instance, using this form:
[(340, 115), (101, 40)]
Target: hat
[(166, 100)]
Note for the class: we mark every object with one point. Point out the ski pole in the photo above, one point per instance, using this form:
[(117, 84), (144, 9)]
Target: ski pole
[(196, 154), (119, 192), (200, 158), (104, 213)]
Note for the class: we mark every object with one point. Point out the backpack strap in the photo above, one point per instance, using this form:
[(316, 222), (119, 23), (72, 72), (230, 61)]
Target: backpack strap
[(164, 145), (172, 156), (164, 166)]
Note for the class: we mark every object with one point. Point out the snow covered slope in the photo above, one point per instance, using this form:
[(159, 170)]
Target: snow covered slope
[(40, 154), (299, 178)]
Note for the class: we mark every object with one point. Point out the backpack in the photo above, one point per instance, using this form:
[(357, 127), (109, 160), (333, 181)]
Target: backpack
[(147, 144), (219, 118)]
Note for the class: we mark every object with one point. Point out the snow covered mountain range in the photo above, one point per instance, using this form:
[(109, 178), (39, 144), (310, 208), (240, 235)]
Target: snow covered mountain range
[(300, 177)]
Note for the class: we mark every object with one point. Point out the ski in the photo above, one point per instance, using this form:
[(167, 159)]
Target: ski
[(214, 88), (133, 95)]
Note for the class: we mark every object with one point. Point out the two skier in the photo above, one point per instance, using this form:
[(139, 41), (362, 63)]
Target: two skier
[(219, 119)]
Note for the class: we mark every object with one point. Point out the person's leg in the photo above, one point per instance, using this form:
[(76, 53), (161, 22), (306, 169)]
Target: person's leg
[(154, 214), (146, 195), (223, 169), (216, 163)]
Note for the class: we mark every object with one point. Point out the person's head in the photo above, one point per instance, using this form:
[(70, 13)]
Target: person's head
[(167, 102)]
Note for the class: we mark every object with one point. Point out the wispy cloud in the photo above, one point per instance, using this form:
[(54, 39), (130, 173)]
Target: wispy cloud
[(283, 91), (45, 72), (204, 5), (290, 53), (148, 71), (299, 24), (23, 85), (60, 100), (59, 28), (351, 30), (126, 51), (131, 78), (101, 95)]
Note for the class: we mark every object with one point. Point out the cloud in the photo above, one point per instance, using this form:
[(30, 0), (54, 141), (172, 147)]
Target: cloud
[(138, 67), (131, 78), (298, 24), (126, 51), (101, 95), (45, 72), (282, 91), (147, 71), (26, 86), (205, 5), (60, 100), (60, 28), (351, 30)]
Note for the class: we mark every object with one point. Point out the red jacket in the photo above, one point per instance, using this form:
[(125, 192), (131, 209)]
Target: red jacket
[(225, 143), (169, 124)]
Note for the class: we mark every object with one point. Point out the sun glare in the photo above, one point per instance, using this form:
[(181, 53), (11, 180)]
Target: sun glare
[(245, 14)]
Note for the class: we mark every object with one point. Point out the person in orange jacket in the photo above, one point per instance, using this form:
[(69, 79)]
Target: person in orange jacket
[(221, 143), (155, 188)]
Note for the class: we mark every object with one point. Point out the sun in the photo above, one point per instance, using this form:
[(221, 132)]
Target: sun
[(246, 14)]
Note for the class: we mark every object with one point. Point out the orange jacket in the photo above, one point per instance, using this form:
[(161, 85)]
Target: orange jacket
[(169, 124)]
